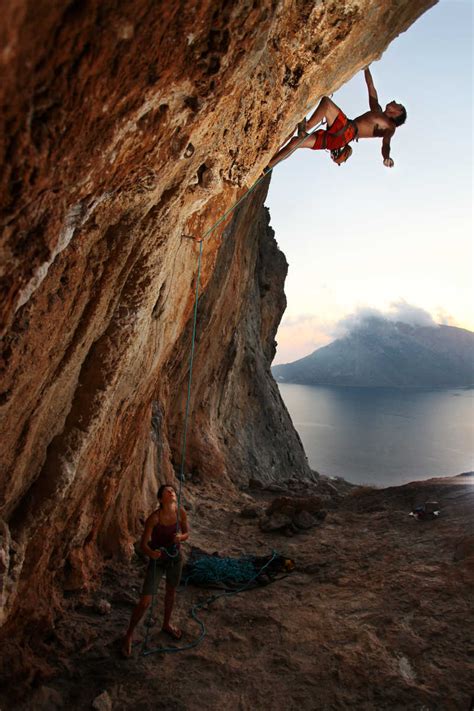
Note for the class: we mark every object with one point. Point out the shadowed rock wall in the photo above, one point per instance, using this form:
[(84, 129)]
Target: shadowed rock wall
[(123, 128), (241, 428)]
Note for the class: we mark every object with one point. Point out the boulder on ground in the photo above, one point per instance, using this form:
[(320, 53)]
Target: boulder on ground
[(249, 512), (303, 520), (102, 702), (275, 522), (291, 505), (103, 607), (276, 488)]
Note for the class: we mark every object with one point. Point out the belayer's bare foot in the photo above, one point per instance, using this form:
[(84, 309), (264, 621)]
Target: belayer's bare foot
[(127, 647), (173, 632)]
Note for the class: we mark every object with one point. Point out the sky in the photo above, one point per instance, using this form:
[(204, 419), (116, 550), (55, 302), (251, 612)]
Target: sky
[(363, 236)]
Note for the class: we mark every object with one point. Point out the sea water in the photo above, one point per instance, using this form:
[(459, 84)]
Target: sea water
[(383, 436)]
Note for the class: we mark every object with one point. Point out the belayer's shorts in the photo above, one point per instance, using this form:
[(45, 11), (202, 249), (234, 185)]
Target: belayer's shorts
[(339, 134), (157, 568)]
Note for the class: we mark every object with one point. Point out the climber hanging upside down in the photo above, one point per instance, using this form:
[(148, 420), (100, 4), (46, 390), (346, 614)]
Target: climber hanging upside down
[(376, 123)]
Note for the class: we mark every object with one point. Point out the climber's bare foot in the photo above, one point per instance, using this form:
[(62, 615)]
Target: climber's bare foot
[(301, 129), (127, 647), (173, 632)]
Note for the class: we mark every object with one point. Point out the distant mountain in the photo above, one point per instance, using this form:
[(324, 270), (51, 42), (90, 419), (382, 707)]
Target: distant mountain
[(383, 353)]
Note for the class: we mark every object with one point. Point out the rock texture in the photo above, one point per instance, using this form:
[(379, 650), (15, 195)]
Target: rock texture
[(125, 127), (241, 427)]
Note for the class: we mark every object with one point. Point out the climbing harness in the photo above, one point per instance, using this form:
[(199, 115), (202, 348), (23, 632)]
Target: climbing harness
[(174, 552), (342, 154)]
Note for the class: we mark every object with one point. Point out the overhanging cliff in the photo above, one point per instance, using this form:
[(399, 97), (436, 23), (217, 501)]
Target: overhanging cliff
[(125, 128)]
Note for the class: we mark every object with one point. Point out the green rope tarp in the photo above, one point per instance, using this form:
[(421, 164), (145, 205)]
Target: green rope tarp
[(210, 570)]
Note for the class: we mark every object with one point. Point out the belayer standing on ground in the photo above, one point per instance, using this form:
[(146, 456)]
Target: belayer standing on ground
[(161, 532), (376, 123)]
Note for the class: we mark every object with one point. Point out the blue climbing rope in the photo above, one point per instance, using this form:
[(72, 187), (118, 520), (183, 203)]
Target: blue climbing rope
[(174, 552), (190, 376), (252, 187), (210, 570), (206, 603)]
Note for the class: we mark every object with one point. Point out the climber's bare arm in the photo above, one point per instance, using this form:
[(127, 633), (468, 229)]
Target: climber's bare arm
[(149, 526), (373, 98), (183, 523), (387, 161)]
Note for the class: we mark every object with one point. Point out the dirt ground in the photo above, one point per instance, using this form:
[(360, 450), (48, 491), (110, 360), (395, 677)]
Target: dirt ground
[(378, 614)]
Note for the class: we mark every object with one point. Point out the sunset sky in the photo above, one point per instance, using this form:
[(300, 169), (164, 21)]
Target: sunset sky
[(394, 240)]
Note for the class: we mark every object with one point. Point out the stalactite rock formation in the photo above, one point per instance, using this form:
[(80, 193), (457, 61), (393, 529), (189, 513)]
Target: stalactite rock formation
[(127, 128)]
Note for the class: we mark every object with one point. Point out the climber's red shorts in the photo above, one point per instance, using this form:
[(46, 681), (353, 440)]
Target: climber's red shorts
[(346, 131)]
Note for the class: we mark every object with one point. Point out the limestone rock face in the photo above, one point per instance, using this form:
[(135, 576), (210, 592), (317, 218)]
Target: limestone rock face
[(124, 128), (239, 426)]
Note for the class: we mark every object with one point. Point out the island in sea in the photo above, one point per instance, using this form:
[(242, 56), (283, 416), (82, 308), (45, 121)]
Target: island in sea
[(388, 354)]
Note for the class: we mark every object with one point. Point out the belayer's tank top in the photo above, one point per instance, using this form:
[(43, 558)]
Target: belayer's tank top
[(162, 536)]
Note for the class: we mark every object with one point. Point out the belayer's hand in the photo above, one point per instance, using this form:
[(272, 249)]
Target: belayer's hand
[(388, 163), (156, 555)]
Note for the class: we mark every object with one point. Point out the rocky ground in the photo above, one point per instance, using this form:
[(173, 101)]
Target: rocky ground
[(378, 613)]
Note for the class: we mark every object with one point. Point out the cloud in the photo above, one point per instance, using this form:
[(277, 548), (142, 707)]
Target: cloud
[(445, 318), (366, 317), (300, 320), (300, 335), (407, 313)]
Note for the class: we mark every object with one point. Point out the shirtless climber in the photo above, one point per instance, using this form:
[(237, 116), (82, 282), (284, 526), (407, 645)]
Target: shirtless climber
[(375, 123)]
